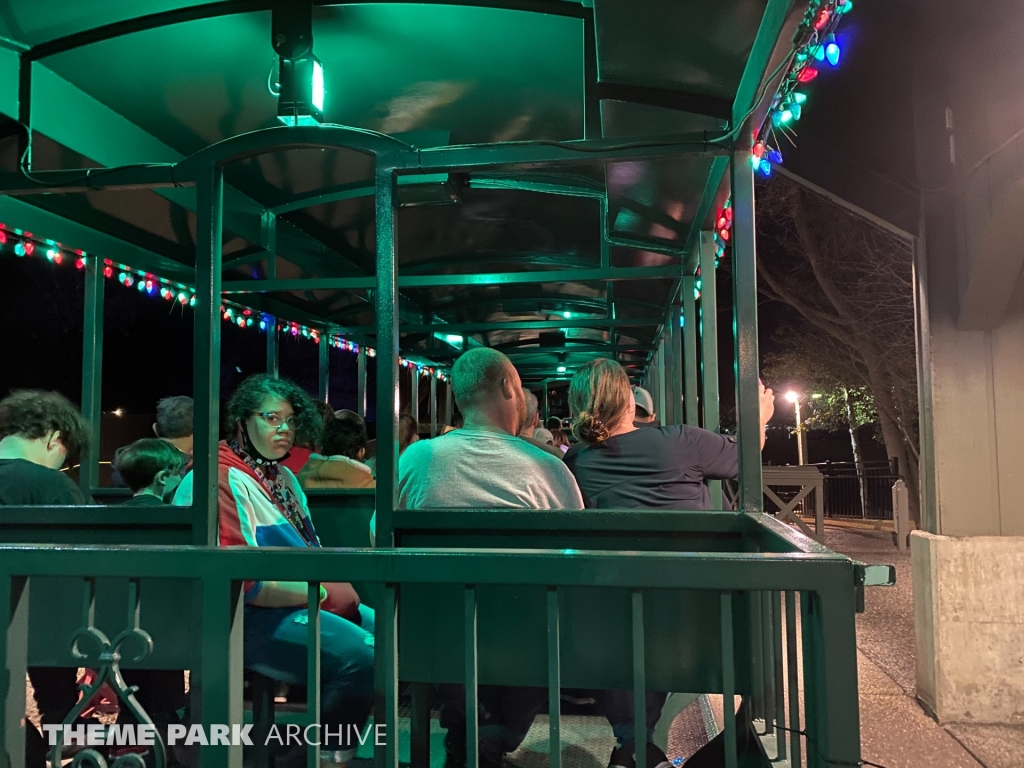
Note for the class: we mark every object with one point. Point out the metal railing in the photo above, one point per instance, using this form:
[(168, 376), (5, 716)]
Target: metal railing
[(865, 494), (801, 623)]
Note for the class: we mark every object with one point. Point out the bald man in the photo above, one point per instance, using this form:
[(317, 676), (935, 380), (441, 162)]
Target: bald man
[(484, 465)]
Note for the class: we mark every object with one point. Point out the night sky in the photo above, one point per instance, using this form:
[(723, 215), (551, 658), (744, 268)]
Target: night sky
[(855, 139)]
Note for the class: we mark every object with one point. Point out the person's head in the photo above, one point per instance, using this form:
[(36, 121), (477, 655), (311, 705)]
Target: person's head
[(344, 437), (543, 435), (488, 391), (644, 405), (554, 423), (408, 432), (600, 400), (150, 464), (174, 421), (43, 427), (346, 415), (532, 417), (559, 439), (272, 414)]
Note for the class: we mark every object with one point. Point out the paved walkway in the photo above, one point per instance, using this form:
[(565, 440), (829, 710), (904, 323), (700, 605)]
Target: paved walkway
[(895, 731)]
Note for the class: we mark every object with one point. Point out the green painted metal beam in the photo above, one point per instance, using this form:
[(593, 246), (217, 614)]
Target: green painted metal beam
[(432, 281), (31, 218), (514, 352), (709, 349), (765, 51), (689, 333), (527, 325), (744, 281), (553, 153), (92, 375)]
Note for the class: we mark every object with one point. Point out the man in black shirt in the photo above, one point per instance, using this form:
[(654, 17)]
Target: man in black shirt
[(39, 432)]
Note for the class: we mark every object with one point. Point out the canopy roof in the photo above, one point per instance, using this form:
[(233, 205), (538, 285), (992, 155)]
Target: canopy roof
[(121, 82)]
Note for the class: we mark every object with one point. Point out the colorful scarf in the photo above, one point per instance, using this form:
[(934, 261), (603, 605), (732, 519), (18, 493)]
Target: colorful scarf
[(268, 474)]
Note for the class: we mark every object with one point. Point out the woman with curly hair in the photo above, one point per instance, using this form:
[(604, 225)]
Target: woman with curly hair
[(262, 505), (619, 466)]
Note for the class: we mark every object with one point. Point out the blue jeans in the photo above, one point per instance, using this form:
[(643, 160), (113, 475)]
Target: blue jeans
[(275, 646), (617, 706)]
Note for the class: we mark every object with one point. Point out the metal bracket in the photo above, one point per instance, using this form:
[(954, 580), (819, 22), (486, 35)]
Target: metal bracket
[(871, 575)]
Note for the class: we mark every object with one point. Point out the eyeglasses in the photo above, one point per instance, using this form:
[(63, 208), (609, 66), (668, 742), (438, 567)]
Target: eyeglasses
[(276, 421)]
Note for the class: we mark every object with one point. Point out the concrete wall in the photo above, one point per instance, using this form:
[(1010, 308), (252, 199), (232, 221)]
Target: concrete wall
[(969, 612), (977, 399)]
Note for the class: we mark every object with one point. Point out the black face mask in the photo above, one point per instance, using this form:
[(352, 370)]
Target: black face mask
[(249, 448)]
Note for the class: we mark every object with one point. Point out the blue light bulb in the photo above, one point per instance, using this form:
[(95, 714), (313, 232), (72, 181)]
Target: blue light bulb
[(832, 53), (766, 167), (775, 156)]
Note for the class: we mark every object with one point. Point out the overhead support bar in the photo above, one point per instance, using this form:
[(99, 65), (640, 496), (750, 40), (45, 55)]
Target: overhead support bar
[(528, 325), (551, 153), (694, 102), (637, 349), (439, 281), (92, 180)]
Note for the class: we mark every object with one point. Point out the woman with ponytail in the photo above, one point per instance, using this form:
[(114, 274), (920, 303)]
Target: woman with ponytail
[(619, 466), (260, 504)]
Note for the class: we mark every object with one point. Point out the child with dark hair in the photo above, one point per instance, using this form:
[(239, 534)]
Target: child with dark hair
[(340, 461), (173, 425), (151, 468)]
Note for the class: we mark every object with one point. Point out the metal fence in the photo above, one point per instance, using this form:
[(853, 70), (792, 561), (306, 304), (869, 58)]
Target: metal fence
[(865, 494), (804, 604)]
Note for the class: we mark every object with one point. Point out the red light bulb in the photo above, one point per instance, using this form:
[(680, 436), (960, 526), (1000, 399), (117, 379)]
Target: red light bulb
[(807, 75), (29, 247), (822, 19), (108, 271)]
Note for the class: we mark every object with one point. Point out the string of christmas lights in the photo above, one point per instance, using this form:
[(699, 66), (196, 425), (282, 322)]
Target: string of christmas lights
[(24, 244), (818, 48)]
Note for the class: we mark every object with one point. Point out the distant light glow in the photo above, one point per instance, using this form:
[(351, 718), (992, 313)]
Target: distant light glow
[(567, 315), (561, 369), (792, 396), (119, 412), (816, 396), (318, 86)]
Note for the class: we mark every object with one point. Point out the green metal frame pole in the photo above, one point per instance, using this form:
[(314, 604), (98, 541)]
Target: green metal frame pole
[(206, 375), (361, 381), (268, 239), (272, 348), (92, 375), (689, 329), (744, 280), (433, 406), (675, 341), (324, 380), (449, 414), (709, 349), (662, 399), (385, 298)]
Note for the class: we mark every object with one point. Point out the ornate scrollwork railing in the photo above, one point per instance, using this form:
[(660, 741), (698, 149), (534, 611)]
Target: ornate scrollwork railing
[(96, 651)]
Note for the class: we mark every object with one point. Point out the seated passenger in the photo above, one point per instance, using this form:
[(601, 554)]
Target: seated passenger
[(408, 432), (560, 441), (39, 433), (532, 425), (484, 465), (620, 466), (544, 436), (645, 415), (339, 463), (262, 505), (174, 417), (306, 444), (151, 468)]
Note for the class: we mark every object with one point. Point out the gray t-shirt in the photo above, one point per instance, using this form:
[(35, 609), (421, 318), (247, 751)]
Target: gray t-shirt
[(476, 469)]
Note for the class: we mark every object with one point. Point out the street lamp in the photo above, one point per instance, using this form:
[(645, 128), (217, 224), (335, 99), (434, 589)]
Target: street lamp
[(801, 453)]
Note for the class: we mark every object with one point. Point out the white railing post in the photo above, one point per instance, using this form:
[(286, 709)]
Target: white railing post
[(901, 513)]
